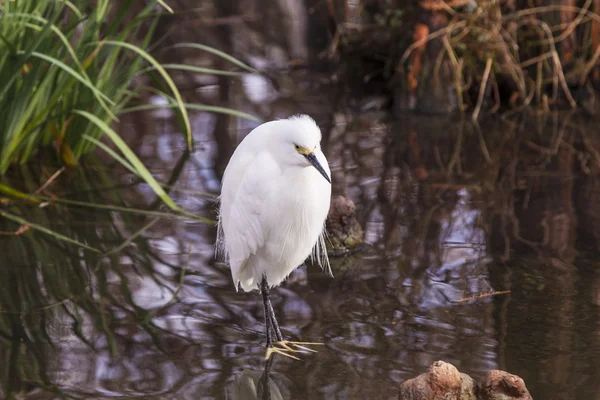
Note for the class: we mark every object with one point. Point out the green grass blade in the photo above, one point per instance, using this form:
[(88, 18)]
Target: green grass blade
[(24, 56), (72, 53), (43, 229), (192, 68), (167, 79), (131, 238), (192, 106), (17, 194), (71, 72), (142, 171), (128, 210), (218, 53), (111, 152), (73, 8)]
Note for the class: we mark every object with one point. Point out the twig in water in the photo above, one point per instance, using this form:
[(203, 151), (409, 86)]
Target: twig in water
[(50, 180), (484, 149), (480, 296)]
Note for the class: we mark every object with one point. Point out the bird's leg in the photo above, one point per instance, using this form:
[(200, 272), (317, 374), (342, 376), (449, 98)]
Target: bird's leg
[(281, 346), (271, 324), (264, 291), (269, 312)]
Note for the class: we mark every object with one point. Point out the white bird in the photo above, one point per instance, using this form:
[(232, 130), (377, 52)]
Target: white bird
[(275, 197)]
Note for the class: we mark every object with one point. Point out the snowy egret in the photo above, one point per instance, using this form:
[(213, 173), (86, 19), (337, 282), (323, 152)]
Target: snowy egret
[(274, 199)]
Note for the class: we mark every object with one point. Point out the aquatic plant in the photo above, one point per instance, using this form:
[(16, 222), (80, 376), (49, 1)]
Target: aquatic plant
[(68, 69)]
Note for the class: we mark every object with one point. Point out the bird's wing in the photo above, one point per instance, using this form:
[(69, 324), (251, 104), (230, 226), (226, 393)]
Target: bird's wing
[(243, 219)]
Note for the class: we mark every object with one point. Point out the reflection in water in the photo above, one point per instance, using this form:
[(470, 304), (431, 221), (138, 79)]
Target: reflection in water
[(63, 306), (254, 385), (156, 317)]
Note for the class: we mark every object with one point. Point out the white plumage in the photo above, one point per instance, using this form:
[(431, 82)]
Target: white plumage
[(274, 201)]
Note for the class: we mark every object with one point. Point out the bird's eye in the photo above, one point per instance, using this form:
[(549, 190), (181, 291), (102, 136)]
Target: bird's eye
[(297, 147)]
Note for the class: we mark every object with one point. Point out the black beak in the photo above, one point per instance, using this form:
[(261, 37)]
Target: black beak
[(313, 160)]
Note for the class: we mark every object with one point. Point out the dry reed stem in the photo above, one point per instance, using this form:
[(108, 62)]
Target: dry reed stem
[(589, 65), (550, 8), (559, 75), (429, 37), (575, 22), (457, 69), (493, 28), (442, 5), (506, 46), (563, 81), (496, 92), (461, 35), (529, 96), (450, 50), (481, 296), (482, 87), (50, 180), (539, 79), (536, 59), (564, 25), (438, 64)]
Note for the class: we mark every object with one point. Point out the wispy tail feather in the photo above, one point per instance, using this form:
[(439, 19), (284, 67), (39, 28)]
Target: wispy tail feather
[(319, 253), (220, 249)]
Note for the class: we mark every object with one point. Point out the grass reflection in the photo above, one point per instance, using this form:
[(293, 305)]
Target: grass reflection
[(54, 291)]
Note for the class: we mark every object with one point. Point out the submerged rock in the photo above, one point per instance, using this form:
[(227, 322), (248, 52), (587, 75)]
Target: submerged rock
[(444, 382), (468, 388), (344, 232), (441, 382), (500, 385)]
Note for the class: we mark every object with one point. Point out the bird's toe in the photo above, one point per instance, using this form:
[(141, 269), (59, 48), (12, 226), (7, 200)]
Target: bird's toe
[(286, 348)]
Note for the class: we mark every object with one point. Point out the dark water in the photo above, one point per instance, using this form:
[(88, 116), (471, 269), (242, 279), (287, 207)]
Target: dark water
[(450, 210), (157, 318)]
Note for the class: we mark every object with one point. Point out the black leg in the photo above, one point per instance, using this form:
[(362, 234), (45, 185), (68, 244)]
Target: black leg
[(270, 319), (265, 297), (274, 323)]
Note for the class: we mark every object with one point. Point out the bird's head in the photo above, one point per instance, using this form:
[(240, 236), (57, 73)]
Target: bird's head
[(300, 144)]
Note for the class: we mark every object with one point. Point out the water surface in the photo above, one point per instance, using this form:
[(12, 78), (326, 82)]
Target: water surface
[(450, 211)]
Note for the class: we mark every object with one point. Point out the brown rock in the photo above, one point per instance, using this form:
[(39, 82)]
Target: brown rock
[(468, 388), (344, 231), (415, 389), (441, 382), (444, 378), (500, 385)]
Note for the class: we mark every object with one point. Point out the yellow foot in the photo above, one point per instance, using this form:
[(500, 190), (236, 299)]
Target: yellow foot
[(286, 348)]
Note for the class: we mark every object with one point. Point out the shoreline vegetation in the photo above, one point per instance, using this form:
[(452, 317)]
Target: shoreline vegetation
[(70, 69), (477, 57)]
